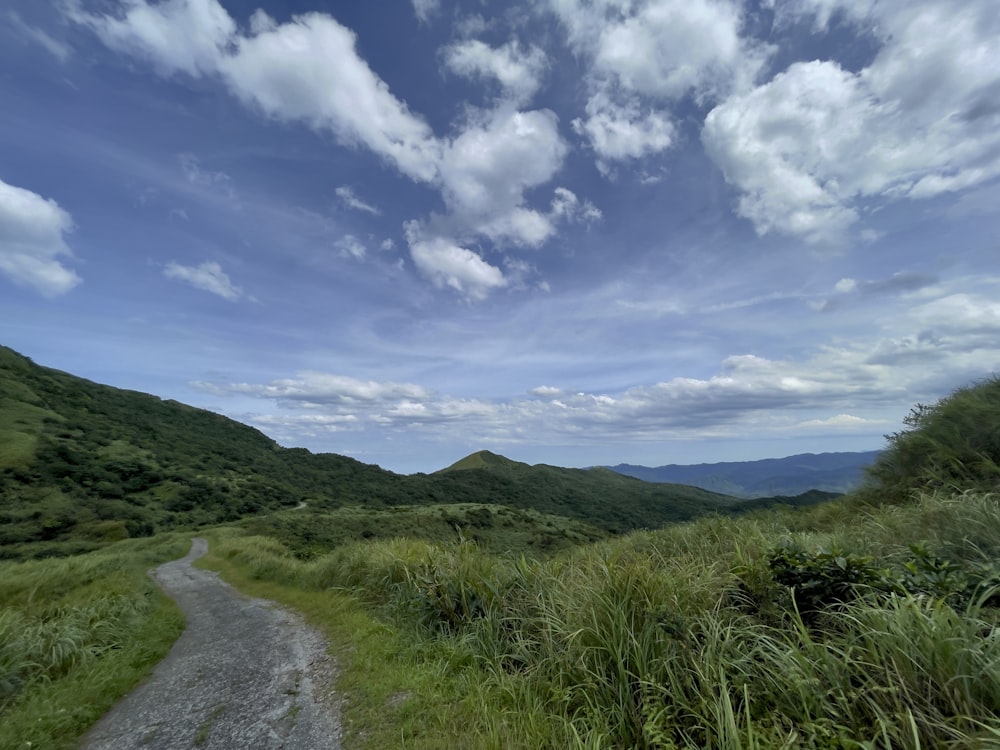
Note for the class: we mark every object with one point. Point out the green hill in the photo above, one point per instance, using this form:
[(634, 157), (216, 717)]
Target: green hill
[(83, 464)]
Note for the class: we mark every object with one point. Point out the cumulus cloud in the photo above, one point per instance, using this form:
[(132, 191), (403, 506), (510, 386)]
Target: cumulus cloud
[(176, 36), (567, 207), (488, 167), (349, 199), (810, 149), (623, 130), (517, 69), (32, 237), (308, 70), (643, 56), (448, 265), (664, 48), (208, 277)]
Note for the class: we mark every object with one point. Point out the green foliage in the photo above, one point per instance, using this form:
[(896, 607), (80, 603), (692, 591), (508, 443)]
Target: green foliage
[(819, 580), (952, 445), (88, 625), (496, 528), (75, 455), (689, 636)]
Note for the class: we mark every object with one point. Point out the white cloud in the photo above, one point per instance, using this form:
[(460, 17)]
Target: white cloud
[(811, 148), (305, 70), (388, 244), (844, 422), (663, 48), (349, 245), (861, 388), (176, 36), (643, 55), (308, 70), (489, 166), (311, 388), (32, 236), (668, 48), (448, 265), (349, 199), (424, 9), (619, 131), (567, 207), (518, 70), (208, 277)]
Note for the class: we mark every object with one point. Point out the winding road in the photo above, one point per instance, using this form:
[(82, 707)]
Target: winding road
[(245, 675)]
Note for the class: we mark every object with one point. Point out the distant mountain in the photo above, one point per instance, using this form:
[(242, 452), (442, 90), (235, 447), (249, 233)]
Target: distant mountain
[(794, 475)]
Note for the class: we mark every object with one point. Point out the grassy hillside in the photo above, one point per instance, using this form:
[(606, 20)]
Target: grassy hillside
[(83, 465), (869, 622), (866, 622)]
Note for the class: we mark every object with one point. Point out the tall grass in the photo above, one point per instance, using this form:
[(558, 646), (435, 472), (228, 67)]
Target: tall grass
[(682, 638), (76, 634)]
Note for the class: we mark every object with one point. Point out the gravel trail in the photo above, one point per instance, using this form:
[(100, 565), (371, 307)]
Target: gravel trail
[(245, 674)]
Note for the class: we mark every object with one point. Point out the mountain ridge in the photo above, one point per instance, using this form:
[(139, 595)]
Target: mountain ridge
[(84, 464), (837, 472)]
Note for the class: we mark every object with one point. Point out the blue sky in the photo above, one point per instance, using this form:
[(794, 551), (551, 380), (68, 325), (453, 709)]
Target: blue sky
[(657, 231)]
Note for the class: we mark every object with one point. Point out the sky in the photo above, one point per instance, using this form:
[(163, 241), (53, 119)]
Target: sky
[(570, 232)]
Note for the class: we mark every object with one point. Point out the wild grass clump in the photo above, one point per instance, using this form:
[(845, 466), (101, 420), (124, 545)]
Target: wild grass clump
[(94, 622)]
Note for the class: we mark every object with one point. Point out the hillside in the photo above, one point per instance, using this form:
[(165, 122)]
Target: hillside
[(828, 472), (83, 464)]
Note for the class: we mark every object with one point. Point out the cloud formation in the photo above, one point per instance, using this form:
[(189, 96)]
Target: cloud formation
[(32, 237), (858, 387), (517, 69), (308, 70), (208, 276), (810, 149), (346, 194), (643, 56)]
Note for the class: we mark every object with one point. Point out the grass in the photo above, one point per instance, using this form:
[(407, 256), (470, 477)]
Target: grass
[(866, 623), (677, 638), (76, 634), (393, 692)]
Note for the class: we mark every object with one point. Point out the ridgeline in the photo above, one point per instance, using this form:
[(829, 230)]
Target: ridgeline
[(84, 464)]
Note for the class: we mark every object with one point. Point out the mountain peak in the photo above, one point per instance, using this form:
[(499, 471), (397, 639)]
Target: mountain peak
[(484, 460)]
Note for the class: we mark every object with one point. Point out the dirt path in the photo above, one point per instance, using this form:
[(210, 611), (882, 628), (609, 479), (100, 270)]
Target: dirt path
[(244, 674)]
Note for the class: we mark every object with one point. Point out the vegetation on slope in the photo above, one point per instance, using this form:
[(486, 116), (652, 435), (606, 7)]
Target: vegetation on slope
[(953, 446), (83, 465), (493, 528), (869, 622), (78, 633)]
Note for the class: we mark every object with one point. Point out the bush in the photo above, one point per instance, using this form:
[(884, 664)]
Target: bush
[(953, 445)]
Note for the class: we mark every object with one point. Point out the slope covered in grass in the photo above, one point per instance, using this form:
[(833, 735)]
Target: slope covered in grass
[(76, 634), (867, 622), (83, 465)]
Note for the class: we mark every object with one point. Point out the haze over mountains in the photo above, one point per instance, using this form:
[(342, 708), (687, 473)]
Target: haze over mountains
[(793, 475)]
